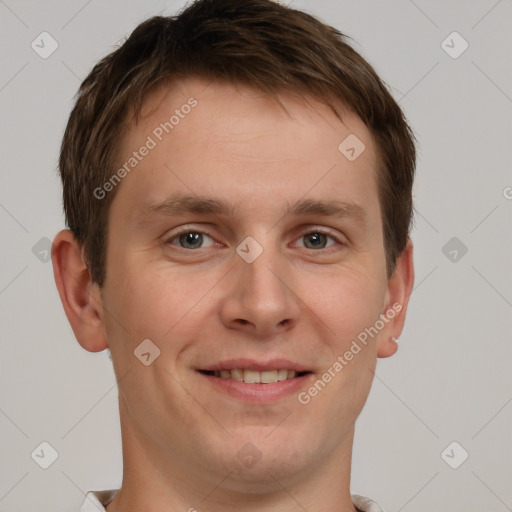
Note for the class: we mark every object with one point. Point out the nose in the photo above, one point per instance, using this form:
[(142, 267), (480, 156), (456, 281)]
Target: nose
[(259, 298)]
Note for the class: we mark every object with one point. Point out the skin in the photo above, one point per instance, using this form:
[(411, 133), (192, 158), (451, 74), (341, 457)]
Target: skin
[(298, 301)]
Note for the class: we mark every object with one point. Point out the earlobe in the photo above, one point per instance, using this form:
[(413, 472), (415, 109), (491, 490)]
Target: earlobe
[(387, 346), (399, 290), (80, 297)]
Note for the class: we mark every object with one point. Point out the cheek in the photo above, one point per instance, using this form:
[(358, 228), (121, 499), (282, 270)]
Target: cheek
[(353, 350), (350, 305), (152, 300), (348, 302)]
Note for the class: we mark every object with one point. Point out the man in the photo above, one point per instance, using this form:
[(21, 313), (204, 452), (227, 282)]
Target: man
[(237, 185)]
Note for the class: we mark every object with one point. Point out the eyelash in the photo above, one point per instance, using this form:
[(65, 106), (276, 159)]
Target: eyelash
[(309, 232)]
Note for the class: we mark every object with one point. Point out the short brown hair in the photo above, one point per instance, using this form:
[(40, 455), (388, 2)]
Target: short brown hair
[(259, 43)]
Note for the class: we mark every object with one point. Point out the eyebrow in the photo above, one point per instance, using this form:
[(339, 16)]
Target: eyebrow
[(187, 204)]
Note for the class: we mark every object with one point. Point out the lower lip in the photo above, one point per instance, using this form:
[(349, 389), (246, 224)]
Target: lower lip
[(259, 393)]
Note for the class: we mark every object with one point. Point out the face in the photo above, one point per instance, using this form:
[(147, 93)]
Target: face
[(247, 247)]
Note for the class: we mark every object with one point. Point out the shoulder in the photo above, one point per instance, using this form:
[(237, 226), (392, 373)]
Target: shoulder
[(96, 501), (363, 504)]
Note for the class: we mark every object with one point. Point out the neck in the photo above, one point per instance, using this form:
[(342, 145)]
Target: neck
[(153, 483)]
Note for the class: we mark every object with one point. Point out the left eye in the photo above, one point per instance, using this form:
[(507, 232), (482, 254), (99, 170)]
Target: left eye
[(316, 240)]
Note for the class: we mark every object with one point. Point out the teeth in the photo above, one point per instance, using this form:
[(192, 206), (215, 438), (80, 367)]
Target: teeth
[(252, 377), (268, 377), (282, 375), (255, 377), (237, 375)]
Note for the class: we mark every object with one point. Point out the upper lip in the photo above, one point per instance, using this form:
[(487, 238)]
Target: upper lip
[(253, 364)]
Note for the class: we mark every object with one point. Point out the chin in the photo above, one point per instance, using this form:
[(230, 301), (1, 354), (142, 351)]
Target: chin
[(258, 460), (266, 475)]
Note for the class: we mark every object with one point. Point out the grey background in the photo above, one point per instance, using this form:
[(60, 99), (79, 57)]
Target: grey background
[(449, 381)]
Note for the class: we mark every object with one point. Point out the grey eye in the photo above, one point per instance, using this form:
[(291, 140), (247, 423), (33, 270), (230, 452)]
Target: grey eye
[(316, 240)]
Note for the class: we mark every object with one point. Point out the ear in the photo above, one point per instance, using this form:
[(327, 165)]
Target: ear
[(80, 297), (399, 290)]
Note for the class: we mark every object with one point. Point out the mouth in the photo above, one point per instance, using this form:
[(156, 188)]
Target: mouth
[(254, 376), (255, 381)]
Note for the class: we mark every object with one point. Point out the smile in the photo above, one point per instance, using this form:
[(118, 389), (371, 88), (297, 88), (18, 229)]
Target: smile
[(254, 376)]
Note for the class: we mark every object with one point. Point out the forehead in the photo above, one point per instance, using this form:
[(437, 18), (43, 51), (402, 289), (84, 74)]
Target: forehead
[(231, 113), (215, 136)]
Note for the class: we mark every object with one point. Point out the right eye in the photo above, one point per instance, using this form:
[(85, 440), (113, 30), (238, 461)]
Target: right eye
[(188, 239)]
